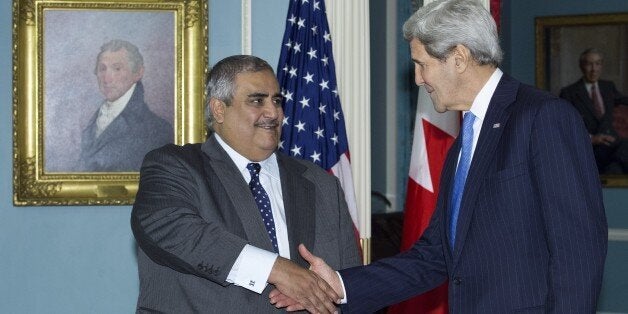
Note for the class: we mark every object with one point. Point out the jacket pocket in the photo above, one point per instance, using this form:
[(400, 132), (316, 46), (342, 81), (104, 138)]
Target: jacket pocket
[(510, 172)]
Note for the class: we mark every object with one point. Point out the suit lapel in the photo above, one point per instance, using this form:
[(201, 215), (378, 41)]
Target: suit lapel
[(446, 186), (88, 137), (490, 133), (299, 205), (118, 126), (606, 91), (237, 191)]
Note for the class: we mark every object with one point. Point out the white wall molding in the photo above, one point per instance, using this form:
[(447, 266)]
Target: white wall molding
[(246, 27), (392, 141), (349, 24), (620, 235)]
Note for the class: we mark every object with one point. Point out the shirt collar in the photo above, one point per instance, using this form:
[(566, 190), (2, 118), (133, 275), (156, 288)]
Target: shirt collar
[(588, 85), (114, 108), (483, 98), (269, 165)]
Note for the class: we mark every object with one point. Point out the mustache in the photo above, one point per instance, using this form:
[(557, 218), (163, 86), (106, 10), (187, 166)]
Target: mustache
[(267, 123)]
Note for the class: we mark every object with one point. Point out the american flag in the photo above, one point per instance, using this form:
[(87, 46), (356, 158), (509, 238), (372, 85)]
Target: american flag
[(313, 126)]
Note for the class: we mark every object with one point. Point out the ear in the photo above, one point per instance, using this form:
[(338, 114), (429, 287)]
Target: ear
[(217, 108), (139, 74), (462, 57)]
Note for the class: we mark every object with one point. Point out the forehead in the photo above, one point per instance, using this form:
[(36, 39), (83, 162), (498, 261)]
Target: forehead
[(261, 81), (592, 57), (114, 56), (418, 52)]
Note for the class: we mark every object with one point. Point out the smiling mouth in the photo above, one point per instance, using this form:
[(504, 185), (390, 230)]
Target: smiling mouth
[(267, 126)]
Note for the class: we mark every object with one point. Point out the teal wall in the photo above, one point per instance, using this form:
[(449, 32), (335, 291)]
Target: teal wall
[(82, 259)]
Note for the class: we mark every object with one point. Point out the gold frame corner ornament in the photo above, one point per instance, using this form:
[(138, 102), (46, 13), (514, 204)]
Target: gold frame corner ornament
[(32, 185)]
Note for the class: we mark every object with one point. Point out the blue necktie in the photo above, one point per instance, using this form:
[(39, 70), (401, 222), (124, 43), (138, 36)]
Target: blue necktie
[(263, 203), (461, 174)]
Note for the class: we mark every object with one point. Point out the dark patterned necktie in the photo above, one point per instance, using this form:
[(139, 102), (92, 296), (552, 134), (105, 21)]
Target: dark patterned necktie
[(263, 203)]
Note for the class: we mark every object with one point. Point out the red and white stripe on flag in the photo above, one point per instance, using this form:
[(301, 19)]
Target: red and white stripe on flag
[(342, 170)]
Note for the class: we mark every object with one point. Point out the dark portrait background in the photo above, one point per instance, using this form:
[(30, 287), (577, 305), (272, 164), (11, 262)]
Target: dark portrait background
[(565, 45), (71, 43)]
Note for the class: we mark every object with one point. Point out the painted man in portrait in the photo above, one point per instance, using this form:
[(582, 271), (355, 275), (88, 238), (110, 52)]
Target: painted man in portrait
[(595, 99), (123, 129)]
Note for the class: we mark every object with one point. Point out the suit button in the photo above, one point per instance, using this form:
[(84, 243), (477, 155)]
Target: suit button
[(457, 281)]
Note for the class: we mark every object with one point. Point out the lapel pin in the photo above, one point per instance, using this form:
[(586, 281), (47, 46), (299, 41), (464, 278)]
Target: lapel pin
[(496, 126)]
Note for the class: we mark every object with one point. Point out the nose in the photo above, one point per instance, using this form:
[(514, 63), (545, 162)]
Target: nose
[(105, 75), (418, 78), (271, 110)]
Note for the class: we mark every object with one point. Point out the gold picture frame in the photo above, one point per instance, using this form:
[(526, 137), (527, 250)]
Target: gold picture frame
[(56, 44), (559, 42)]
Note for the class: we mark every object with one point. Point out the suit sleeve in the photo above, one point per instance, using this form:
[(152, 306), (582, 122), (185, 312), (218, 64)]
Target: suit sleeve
[(349, 239), (391, 280), (168, 226), (568, 185)]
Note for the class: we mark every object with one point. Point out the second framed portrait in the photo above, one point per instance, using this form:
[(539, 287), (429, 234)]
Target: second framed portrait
[(582, 58), (96, 86)]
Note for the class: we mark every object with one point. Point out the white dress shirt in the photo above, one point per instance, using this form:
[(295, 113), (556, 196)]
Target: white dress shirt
[(252, 267), (480, 106), (110, 110)]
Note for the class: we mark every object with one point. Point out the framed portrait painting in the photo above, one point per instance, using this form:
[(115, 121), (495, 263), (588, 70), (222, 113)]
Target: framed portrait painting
[(560, 42), (98, 84)]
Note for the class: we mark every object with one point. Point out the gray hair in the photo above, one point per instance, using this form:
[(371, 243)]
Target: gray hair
[(441, 25), (587, 52), (136, 61), (221, 80)]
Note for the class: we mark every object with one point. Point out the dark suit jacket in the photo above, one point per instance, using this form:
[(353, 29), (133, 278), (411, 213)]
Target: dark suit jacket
[(123, 144), (194, 213), (532, 233), (577, 94)]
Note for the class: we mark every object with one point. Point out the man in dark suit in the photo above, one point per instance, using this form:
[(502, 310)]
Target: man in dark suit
[(204, 245), (595, 100), (123, 129), (519, 224)]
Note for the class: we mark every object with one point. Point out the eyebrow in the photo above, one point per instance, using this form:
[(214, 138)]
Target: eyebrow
[(264, 95), (257, 95)]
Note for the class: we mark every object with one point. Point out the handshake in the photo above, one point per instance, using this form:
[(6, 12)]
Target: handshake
[(317, 290)]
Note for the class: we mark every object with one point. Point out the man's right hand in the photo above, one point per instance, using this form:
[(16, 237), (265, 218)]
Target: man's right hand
[(318, 265), (303, 287), (602, 139)]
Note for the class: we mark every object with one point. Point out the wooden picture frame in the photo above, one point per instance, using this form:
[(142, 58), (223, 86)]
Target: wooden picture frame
[(61, 86), (559, 42)]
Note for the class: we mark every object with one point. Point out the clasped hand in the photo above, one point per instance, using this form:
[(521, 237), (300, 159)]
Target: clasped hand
[(602, 139), (317, 290)]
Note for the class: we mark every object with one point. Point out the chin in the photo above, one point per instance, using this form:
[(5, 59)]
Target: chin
[(269, 145), (439, 108)]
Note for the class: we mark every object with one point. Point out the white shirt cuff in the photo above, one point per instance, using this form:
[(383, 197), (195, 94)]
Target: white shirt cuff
[(252, 268), (344, 291)]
